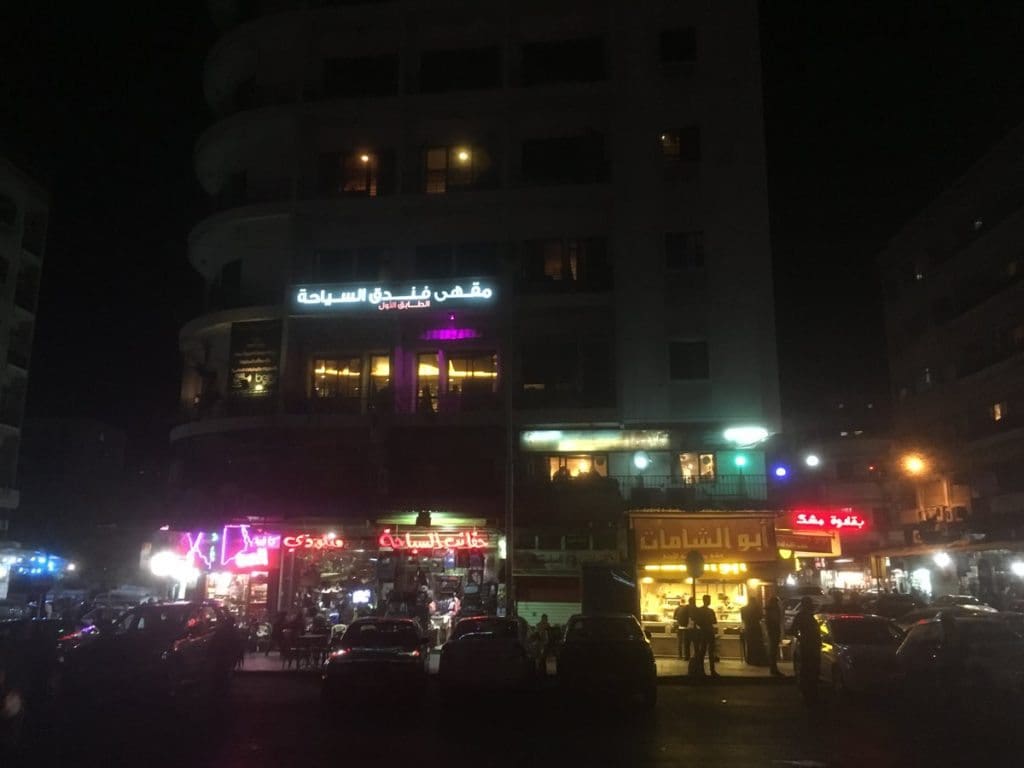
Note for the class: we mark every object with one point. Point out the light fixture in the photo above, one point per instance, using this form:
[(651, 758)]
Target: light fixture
[(785, 554), (1017, 567), (463, 155), (812, 460), (72, 567), (641, 460), (741, 461), (781, 471), (914, 464), (744, 437), (942, 559), (364, 158)]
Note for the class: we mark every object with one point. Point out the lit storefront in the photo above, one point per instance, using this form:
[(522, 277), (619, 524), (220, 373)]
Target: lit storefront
[(820, 541), (740, 557)]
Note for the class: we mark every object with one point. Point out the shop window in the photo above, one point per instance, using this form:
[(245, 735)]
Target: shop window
[(684, 251), (339, 378), (563, 61), (428, 380), (566, 265), (580, 467), (564, 160), (460, 70), (456, 167), (678, 45), (472, 374), (688, 360), (361, 76)]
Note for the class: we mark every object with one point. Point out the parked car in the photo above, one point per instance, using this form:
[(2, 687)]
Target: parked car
[(858, 652), (27, 659), (608, 654), (376, 655), (791, 606), (153, 650), (892, 606), (950, 600), (956, 611), (955, 657), (487, 652)]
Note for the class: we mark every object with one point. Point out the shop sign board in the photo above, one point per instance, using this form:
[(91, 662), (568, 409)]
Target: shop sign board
[(392, 298), (591, 440), (719, 538), (807, 544), (414, 540), (313, 541), (238, 548), (842, 519), (254, 358)]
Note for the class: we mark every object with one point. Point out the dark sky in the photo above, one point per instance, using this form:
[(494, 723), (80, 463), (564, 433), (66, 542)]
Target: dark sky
[(872, 107)]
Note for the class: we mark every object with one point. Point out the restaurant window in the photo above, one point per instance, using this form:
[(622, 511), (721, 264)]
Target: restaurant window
[(338, 378), (470, 374), (448, 168), (684, 251), (998, 411), (696, 467), (678, 45), (563, 61), (688, 360), (460, 70), (577, 467), (428, 379), (564, 160), (380, 378)]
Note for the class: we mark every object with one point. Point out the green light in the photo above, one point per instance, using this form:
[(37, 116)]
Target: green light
[(741, 461)]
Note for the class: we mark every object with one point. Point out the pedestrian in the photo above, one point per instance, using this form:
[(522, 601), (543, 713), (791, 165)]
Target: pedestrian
[(543, 630), (807, 631), (773, 626), (706, 622), (683, 615)]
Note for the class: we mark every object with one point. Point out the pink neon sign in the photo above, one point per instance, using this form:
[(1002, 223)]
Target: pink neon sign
[(433, 540), (844, 519), (236, 548), (450, 334)]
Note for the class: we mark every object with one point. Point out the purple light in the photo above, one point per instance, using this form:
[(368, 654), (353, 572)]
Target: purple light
[(450, 334), (451, 317)]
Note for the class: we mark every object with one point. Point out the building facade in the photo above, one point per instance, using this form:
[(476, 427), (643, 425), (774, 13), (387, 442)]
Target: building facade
[(501, 262), (24, 208)]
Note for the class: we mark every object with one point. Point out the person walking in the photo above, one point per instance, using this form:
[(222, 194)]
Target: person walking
[(683, 615), (706, 622), (753, 644), (773, 627), (807, 631)]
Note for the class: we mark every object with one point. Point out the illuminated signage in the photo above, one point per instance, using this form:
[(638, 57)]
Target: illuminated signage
[(719, 538), (808, 544), (433, 540), (843, 519), (588, 440), (314, 298), (450, 334), (313, 541), (236, 547)]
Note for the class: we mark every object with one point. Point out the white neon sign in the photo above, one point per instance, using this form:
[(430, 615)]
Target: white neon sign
[(385, 300)]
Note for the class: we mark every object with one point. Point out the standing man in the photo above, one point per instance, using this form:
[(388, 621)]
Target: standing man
[(807, 631), (706, 622), (683, 614), (773, 626)]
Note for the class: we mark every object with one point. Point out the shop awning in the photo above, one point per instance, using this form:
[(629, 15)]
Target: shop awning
[(951, 547)]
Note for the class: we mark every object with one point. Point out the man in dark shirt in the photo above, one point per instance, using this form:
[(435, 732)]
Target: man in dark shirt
[(807, 631), (683, 614), (706, 622)]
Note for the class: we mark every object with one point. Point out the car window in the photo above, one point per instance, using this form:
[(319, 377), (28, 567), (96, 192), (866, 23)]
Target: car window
[(862, 632), (384, 634), (603, 628), (982, 633), (490, 626), (921, 636)]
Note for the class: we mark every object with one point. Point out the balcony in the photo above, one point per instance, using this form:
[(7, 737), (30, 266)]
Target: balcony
[(561, 561), (728, 491)]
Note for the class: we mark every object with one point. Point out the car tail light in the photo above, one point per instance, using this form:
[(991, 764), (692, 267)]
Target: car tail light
[(414, 652), (338, 653)]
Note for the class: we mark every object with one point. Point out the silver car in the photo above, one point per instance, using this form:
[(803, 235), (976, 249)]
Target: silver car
[(858, 652)]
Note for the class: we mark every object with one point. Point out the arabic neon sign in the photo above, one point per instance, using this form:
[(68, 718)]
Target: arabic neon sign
[(235, 547), (315, 298), (433, 540), (313, 541), (843, 519)]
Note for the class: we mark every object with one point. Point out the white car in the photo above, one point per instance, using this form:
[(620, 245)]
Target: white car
[(858, 652)]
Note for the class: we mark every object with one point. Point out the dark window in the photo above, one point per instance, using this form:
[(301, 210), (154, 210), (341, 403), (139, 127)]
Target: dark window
[(460, 70), (26, 288), (564, 160), (226, 291), (476, 260), (549, 541), (682, 144), (8, 211), (688, 360), (678, 45), (684, 251), (563, 61), (362, 76), (554, 266), (433, 261), (458, 167), (577, 541), (5, 268), (568, 373), (606, 540), (348, 264), (34, 234)]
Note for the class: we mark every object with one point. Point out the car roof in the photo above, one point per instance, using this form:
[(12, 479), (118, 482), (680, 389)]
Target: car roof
[(384, 620), (854, 617)]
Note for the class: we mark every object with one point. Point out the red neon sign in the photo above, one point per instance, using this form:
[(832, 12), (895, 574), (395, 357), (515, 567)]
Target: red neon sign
[(433, 540), (313, 541), (843, 519)]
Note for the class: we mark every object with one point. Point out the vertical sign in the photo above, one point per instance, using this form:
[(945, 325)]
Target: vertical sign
[(255, 358)]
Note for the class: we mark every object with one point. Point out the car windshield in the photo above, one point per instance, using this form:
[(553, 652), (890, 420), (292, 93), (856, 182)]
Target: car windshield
[(603, 628), (383, 634), (864, 632), (166, 617), (486, 626)]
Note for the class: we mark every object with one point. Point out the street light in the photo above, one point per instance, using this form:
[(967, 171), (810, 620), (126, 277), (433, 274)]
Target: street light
[(1017, 567), (641, 460), (942, 559), (913, 464), (812, 460)]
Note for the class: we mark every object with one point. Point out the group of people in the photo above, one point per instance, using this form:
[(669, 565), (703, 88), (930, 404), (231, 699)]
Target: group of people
[(696, 628)]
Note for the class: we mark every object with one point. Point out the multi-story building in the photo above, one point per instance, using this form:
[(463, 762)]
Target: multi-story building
[(450, 239), (24, 207)]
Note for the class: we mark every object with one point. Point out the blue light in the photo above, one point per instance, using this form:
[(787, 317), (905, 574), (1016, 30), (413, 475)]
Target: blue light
[(781, 471)]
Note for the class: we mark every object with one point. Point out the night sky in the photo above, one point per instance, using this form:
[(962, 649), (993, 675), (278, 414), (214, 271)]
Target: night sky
[(871, 109)]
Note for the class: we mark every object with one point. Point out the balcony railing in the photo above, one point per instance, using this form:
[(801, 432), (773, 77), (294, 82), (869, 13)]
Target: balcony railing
[(673, 490), (561, 560)]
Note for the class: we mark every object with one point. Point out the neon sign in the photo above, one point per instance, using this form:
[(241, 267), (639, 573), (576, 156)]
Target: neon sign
[(236, 547), (433, 540), (355, 297), (843, 519), (313, 541), (450, 334)]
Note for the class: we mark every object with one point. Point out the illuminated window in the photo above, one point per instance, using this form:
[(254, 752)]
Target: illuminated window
[(380, 378), (998, 411), (706, 462), (670, 145), (359, 173), (577, 467), (695, 467), (448, 168), (473, 373), (428, 380), (338, 377)]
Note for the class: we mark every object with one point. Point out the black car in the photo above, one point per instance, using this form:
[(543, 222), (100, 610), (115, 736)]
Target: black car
[(376, 655), (152, 650), (487, 652), (608, 654), (27, 661)]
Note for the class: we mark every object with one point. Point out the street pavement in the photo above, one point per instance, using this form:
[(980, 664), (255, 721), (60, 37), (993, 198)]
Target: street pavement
[(278, 720)]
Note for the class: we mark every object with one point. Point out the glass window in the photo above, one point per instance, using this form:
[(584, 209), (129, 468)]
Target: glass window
[(566, 265), (338, 377), (449, 168), (473, 373), (359, 173), (670, 145), (577, 467), (427, 381), (707, 466), (688, 467), (380, 374), (688, 360), (460, 69), (563, 61)]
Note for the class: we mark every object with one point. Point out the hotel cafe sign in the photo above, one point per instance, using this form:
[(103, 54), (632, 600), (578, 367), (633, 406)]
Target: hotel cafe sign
[(391, 298)]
